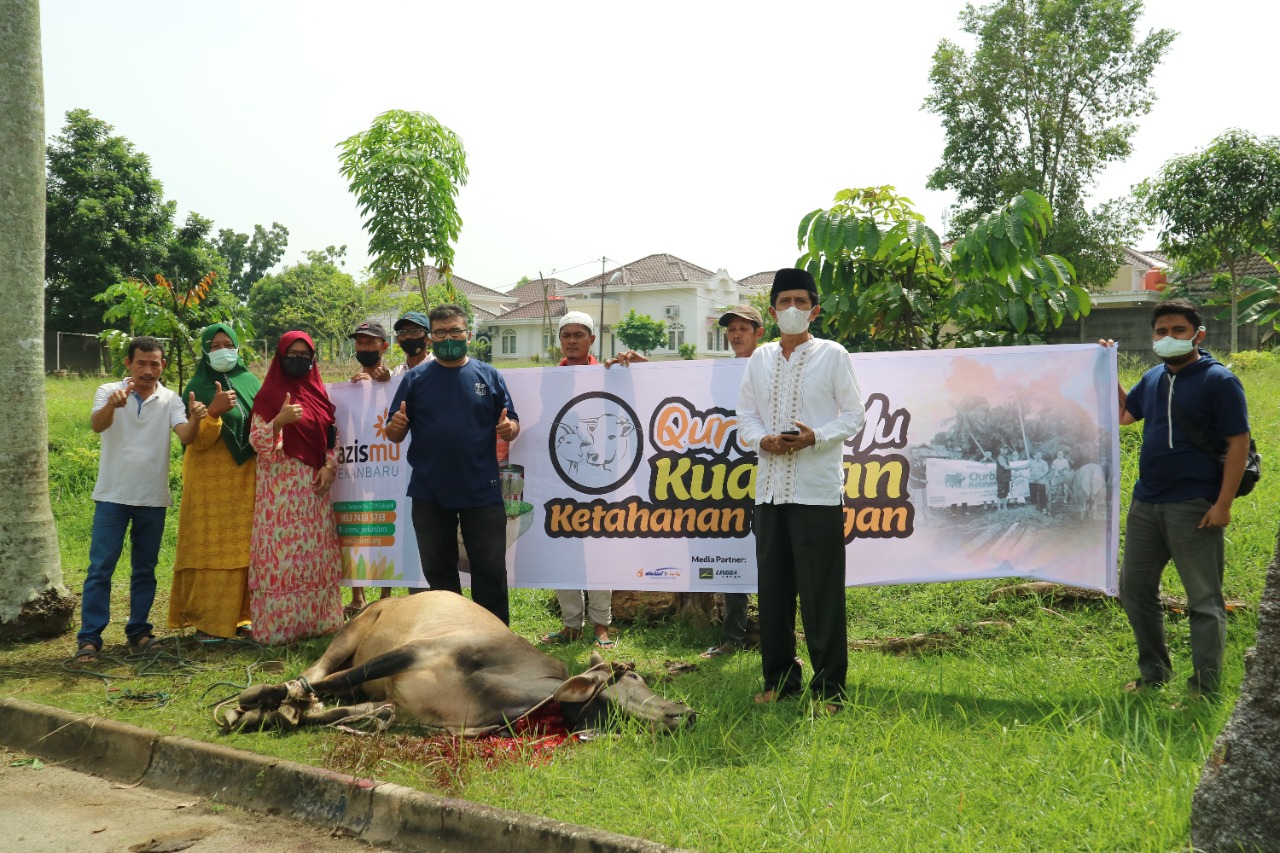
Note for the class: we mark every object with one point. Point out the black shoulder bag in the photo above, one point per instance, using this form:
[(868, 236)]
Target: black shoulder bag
[(1252, 465)]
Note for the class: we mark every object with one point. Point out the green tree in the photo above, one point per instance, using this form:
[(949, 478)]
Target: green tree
[(250, 258), (640, 332), (315, 296), (107, 220), (33, 600), (437, 294), (1216, 207), (405, 172), (1045, 101), (885, 281), (174, 310)]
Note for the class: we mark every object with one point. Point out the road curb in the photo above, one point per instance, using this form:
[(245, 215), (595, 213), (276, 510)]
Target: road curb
[(377, 812)]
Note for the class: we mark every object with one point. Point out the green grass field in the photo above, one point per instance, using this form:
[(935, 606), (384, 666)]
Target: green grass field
[(1013, 736)]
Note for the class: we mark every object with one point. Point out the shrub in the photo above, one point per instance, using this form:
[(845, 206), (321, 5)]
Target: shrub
[(1250, 359)]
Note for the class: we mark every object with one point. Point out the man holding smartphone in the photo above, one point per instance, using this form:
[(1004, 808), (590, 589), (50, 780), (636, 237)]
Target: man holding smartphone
[(798, 402)]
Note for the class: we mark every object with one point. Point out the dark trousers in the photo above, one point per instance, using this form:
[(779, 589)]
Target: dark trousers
[(484, 532), (1040, 496), (800, 553), (1154, 533), (735, 619)]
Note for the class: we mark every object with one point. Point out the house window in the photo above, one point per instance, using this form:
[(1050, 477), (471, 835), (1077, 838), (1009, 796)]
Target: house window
[(716, 341), (508, 341), (675, 336), (548, 341)]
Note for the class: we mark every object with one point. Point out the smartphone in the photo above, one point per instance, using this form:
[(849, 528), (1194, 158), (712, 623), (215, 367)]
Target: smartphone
[(790, 432)]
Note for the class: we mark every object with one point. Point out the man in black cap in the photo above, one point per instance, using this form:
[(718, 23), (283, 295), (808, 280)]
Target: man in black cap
[(798, 403), (411, 334), (744, 327), (371, 346)]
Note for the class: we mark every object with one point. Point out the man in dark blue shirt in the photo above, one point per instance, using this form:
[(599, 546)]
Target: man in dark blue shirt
[(1182, 500), (456, 408)]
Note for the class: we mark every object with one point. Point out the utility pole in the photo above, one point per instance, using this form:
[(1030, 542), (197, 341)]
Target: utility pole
[(600, 347)]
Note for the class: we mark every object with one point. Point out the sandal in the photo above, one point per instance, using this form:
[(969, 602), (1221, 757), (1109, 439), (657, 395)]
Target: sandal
[(351, 611), (563, 637), (88, 653), (208, 639), (720, 651), (603, 642), (144, 644)]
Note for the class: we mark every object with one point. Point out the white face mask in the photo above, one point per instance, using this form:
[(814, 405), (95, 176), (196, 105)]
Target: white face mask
[(793, 321), (223, 360), (1171, 347)]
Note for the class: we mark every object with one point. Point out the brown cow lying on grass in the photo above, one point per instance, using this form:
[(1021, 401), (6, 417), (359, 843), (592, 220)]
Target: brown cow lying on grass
[(446, 662)]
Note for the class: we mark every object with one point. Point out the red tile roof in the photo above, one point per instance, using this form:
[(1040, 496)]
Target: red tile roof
[(533, 311), (410, 282), (758, 281), (531, 291), (653, 269)]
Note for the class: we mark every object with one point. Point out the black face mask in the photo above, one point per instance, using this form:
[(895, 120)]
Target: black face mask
[(368, 359), (296, 367), (413, 346)]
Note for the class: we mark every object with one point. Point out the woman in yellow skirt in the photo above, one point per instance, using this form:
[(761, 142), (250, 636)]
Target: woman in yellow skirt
[(219, 473)]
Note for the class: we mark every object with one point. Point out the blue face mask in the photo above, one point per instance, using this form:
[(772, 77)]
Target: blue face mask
[(223, 360), (1171, 347)]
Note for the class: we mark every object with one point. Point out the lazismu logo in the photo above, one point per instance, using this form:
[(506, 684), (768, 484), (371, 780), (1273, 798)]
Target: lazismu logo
[(357, 452)]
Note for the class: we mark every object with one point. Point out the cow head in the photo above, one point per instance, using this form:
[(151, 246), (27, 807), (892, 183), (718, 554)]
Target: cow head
[(610, 437), (612, 691)]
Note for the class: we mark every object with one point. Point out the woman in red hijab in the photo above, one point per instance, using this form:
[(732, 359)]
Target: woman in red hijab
[(294, 562)]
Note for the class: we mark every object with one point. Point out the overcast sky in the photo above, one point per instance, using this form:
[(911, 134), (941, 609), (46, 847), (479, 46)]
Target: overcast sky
[(702, 129)]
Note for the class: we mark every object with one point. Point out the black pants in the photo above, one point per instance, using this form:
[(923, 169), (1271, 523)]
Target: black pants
[(484, 532), (800, 553)]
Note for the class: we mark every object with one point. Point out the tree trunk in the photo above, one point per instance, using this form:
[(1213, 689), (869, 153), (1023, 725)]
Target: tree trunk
[(1234, 805), (32, 597)]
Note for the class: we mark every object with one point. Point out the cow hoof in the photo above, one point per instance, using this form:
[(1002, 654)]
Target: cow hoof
[(263, 696)]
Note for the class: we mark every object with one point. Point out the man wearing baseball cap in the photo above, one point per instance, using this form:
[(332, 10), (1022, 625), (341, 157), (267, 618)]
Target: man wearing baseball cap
[(744, 327), (371, 344), (411, 334)]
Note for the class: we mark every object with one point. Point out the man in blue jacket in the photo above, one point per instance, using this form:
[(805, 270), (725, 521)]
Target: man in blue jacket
[(1182, 500)]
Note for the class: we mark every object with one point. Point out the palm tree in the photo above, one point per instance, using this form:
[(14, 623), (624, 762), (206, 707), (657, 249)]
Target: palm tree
[(33, 601)]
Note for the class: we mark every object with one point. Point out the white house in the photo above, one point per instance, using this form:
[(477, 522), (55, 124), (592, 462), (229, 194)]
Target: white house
[(688, 298)]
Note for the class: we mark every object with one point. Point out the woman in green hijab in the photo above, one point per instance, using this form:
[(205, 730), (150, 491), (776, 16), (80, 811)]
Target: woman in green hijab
[(215, 519)]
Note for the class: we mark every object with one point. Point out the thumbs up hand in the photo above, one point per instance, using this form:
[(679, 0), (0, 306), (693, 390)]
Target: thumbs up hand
[(195, 409), (223, 401), (507, 428), (400, 419), (120, 396), (289, 412)]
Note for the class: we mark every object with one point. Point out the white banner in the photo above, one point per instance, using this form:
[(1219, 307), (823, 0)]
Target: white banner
[(632, 478)]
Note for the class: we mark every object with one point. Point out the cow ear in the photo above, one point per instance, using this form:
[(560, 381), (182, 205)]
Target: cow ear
[(581, 688), (627, 427)]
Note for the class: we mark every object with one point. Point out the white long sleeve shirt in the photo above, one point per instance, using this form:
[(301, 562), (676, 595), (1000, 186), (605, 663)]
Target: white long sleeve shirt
[(817, 387)]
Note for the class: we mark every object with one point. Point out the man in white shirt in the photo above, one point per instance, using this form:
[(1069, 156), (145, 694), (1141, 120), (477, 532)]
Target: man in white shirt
[(798, 403), (134, 417)]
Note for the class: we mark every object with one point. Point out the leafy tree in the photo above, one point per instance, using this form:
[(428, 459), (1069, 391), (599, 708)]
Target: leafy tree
[(1216, 207), (1045, 101), (33, 600), (250, 258), (688, 352), (315, 296), (885, 281), (405, 172), (174, 310), (437, 294), (640, 332), (107, 219)]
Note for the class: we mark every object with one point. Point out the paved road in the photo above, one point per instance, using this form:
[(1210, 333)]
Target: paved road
[(54, 810)]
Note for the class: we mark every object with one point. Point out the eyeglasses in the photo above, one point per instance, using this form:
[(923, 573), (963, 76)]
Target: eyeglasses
[(415, 333), (441, 334)]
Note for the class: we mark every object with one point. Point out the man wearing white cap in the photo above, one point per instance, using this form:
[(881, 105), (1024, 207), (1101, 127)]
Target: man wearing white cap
[(577, 335)]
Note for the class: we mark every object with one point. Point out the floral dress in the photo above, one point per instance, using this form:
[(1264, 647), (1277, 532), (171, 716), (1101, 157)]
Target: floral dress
[(294, 561)]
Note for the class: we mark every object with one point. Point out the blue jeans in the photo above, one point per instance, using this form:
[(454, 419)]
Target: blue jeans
[(109, 523)]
